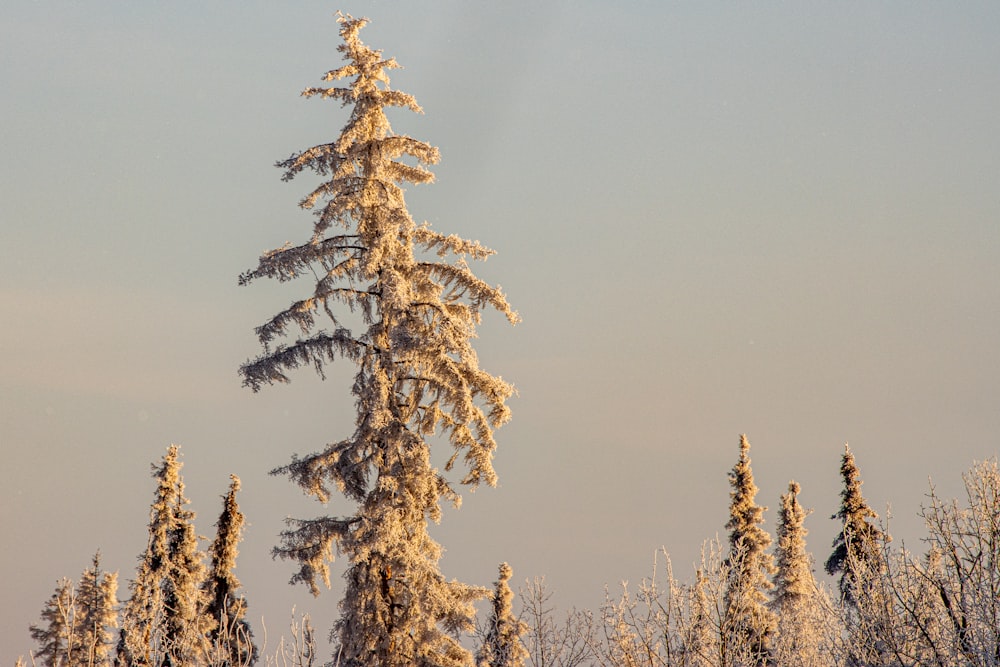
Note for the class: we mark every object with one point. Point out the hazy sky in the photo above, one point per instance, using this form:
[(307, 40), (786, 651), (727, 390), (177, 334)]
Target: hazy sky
[(774, 218)]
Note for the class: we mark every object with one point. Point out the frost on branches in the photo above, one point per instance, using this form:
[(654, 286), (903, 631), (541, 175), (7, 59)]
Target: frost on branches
[(502, 645), (796, 599), (231, 638), (417, 374), (163, 621), (78, 621), (750, 624), (857, 545)]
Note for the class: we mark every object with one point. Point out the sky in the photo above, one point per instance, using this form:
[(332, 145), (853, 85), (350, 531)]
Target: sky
[(778, 219)]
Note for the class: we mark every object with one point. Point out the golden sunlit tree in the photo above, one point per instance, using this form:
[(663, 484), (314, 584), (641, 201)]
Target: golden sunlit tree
[(231, 638), (164, 623), (417, 380), (749, 623)]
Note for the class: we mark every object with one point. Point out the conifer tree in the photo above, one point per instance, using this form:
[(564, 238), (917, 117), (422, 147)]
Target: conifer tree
[(164, 624), (793, 580), (502, 645), (796, 599), (749, 624), (232, 638), (858, 544), (57, 636), (701, 642), (417, 375), (97, 602)]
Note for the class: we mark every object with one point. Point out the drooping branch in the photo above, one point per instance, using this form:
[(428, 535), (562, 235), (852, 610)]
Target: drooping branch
[(317, 351), (312, 543)]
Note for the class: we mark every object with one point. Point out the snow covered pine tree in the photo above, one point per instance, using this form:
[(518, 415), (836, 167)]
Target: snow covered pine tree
[(418, 376), (749, 624), (502, 646), (79, 621), (163, 623), (232, 642), (861, 558), (858, 544), (97, 601), (796, 599), (58, 641), (793, 581)]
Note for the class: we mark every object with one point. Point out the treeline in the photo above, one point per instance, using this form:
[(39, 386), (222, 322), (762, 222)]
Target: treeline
[(754, 601), (179, 611)]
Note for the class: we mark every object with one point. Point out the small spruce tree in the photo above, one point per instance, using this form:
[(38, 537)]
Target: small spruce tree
[(232, 638), (164, 622), (502, 646), (97, 601), (857, 546), (57, 636), (701, 641), (796, 599), (418, 376), (793, 580), (749, 625)]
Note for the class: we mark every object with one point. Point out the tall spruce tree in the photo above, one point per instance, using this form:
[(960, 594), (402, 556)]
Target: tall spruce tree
[(232, 638), (97, 602), (749, 624), (164, 624), (502, 646), (417, 377), (858, 544)]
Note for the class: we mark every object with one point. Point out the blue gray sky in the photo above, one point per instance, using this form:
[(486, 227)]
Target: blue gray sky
[(714, 218)]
